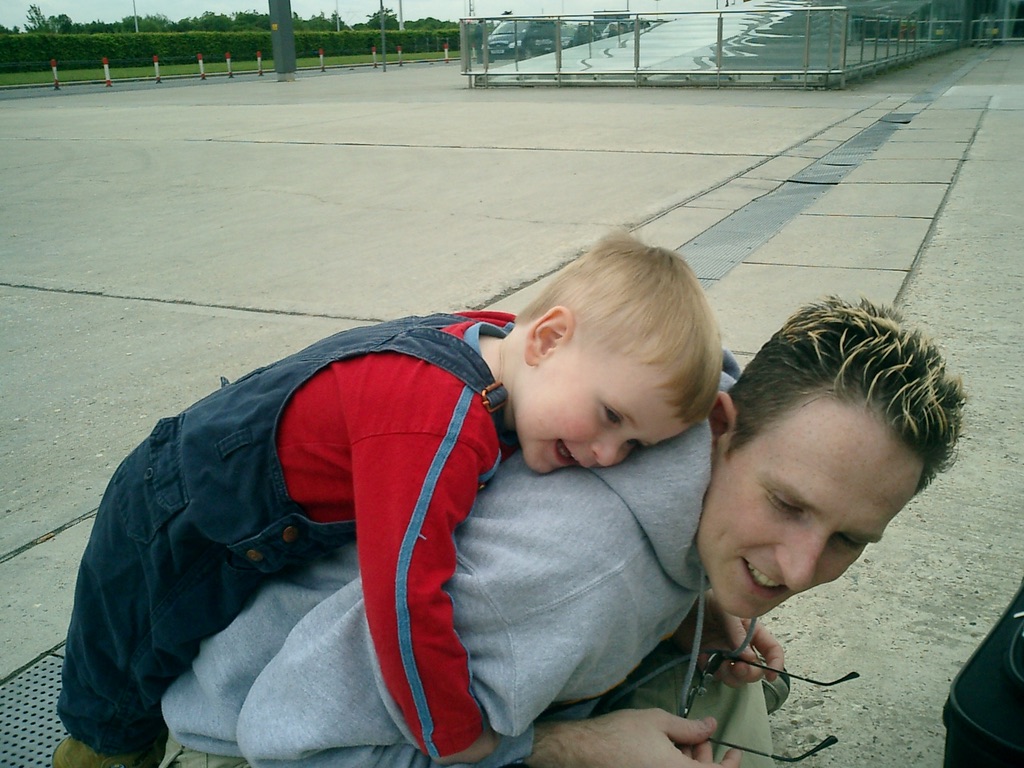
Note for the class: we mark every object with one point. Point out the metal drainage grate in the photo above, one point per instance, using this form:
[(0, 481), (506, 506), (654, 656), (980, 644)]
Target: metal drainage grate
[(29, 727)]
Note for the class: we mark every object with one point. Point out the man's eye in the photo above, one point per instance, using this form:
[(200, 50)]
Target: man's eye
[(612, 416), (848, 543)]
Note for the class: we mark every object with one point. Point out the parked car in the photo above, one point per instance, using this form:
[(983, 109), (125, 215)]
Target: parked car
[(521, 39)]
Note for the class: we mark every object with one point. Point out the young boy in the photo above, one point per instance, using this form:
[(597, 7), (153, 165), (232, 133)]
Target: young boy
[(390, 431)]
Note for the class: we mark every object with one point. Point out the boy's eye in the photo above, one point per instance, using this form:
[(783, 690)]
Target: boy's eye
[(612, 416)]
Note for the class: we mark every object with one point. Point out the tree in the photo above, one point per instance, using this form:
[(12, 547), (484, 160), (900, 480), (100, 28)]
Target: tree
[(35, 21), (61, 24), (390, 20), (429, 23)]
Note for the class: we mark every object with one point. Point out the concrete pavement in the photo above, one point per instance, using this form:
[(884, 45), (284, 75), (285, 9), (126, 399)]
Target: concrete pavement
[(154, 239)]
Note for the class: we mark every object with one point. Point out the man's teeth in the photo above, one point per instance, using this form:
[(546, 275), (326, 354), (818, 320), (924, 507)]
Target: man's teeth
[(760, 578)]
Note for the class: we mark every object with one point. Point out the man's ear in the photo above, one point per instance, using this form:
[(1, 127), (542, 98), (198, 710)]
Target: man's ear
[(549, 331), (722, 418)]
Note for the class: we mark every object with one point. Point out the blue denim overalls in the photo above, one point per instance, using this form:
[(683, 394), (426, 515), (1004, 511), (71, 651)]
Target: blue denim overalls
[(194, 519)]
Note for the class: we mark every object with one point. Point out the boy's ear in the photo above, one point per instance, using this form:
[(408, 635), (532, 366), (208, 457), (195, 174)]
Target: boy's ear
[(722, 418), (549, 331)]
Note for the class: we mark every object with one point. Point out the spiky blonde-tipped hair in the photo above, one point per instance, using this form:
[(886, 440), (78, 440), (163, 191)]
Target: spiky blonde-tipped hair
[(646, 303), (861, 354)]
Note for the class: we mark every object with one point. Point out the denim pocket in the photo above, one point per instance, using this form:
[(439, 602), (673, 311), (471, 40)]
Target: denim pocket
[(163, 490)]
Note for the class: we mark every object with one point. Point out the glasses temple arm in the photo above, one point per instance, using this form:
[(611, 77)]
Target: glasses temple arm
[(825, 744)]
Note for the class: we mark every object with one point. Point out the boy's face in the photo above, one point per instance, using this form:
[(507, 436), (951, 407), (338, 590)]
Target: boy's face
[(795, 506), (576, 403)]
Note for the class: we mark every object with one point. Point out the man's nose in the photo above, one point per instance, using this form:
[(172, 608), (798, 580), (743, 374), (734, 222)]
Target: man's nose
[(800, 558)]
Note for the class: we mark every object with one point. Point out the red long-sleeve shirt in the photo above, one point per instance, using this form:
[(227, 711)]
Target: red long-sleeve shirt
[(401, 447)]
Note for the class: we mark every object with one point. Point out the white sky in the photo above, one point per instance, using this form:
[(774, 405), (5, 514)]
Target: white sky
[(13, 12)]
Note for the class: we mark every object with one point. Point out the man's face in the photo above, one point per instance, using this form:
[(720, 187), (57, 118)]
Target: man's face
[(795, 506)]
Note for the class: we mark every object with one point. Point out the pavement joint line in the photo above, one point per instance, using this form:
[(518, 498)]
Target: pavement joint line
[(930, 233), (480, 147), (47, 536), (20, 670), (185, 303)]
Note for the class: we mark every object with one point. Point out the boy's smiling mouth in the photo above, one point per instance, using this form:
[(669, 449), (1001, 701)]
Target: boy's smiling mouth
[(565, 454)]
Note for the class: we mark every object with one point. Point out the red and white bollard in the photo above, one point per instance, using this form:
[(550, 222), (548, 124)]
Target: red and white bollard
[(202, 69), (322, 60), (373, 49), (399, 55), (259, 63), (56, 82), (227, 58), (156, 67), (106, 71), (446, 53)]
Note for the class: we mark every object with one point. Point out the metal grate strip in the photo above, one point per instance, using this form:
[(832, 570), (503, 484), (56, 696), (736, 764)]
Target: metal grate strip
[(29, 727)]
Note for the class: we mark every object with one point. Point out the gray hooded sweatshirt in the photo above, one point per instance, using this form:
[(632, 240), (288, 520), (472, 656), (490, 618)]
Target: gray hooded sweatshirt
[(564, 582)]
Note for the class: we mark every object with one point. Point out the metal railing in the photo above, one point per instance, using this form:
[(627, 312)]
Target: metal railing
[(781, 45), (989, 30)]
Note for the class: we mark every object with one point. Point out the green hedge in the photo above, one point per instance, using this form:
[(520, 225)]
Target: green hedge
[(19, 53)]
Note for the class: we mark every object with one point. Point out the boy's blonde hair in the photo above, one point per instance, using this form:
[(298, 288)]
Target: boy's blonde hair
[(644, 302)]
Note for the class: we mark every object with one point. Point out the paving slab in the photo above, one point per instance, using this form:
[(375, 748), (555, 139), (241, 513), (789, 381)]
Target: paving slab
[(903, 170), (852, 242), (753, 300), (778, 168), (735, 193), (874, 199), (678, 226)]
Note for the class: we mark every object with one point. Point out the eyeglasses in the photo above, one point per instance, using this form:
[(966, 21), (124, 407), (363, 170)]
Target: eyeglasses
[(715, 661)]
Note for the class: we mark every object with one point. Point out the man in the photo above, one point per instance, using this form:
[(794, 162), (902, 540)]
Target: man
[(838, 421)]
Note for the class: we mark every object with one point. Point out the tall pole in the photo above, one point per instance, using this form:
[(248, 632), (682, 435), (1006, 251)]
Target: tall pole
[(383, 40), (401, 18), (337, 17), (135, 13), (282, 38)]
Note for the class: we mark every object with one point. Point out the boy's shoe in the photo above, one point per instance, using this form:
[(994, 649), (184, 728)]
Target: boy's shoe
[(776, 692), (72, 753)]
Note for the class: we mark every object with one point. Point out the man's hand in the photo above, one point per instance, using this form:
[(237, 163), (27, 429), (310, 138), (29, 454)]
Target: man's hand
[(629, 738), (724, 632)]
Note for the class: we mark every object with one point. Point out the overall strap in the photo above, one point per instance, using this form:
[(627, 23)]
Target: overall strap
[(454, 355)]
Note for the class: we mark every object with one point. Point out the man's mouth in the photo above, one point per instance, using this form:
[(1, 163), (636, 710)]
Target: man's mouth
[(760, 579)]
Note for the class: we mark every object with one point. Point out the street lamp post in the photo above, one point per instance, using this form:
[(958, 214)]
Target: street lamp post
[(135, 13)]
